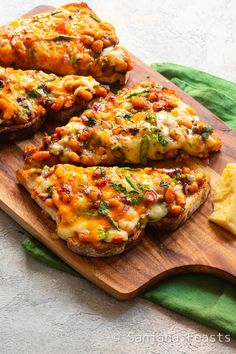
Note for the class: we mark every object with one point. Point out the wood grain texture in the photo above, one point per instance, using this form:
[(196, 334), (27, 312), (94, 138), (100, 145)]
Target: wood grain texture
[(197, 246)]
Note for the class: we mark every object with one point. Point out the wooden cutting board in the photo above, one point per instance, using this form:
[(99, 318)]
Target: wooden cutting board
[(198, 246)]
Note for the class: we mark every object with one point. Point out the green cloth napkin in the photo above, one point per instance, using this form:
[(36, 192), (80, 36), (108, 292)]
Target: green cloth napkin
[(217, 94), (204, 298)]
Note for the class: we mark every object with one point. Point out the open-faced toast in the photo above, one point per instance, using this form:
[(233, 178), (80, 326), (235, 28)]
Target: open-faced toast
[(143, 122), (67, 40), (26, 97), (104, 211)]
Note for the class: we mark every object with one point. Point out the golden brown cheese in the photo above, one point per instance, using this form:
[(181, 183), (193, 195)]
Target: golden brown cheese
[(68, 40), (98, 204), (143, 122), (27, 95)]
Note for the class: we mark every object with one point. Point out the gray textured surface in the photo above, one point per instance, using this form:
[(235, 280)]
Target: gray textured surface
[(46, 311)]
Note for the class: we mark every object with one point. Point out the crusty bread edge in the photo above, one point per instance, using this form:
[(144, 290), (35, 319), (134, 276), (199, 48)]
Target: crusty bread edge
[(21, 131), (194, 201), (107, 249)]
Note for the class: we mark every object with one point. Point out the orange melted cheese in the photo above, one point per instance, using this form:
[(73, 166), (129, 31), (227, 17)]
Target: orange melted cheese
[(145, 121), (27, 95), (99, 204), (68, 40)]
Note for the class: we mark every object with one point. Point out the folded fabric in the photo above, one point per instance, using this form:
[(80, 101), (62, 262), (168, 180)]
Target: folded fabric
[(204, 298), (217, 94)]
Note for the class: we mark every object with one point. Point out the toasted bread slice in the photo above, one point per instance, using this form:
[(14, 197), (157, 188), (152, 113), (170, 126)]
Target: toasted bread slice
[(27, 96), (67, 40), (143, 122), (103, 211)]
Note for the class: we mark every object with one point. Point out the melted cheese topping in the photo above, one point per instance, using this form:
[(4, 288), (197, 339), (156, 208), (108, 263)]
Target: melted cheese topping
[(68, 40), (142, 122), (224, 200), (99, 204), (27, 95)]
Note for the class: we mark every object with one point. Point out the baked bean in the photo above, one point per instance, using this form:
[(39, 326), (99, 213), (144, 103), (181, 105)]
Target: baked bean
[(97, 46), (140, 102), (48, 202), (74, 144), (74, 158), (169, 195), (186, 170), (180, 198), (88, 40), (100, 91), (84, 135), (41, 155), (114, 203), (84, 94), (152, 97), (175, 210), (106, 42), (193, 187), (121, 66), (95, 194), (200, 177)]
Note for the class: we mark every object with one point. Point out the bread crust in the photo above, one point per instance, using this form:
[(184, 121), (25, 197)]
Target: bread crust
[(21, 131), (103, 249), (194, 201), (24, 131)]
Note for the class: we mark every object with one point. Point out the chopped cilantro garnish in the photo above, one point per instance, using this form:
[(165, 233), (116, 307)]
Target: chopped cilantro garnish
[(159, 138), (134, 200), (35, 93), (73, 59), (103, 171), (125, 115), (103, 208), (127, 168), (206, 132), (94, 17), (132, 184), (50, 190), (144, 147), (152, 118), (119, 188), (24, 104), (61, 37), (164, 184), (91, 121), (90, 213), (55, 12), (138, 93), (116, 147), (143, 187), (101, 233), (113, 223)]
